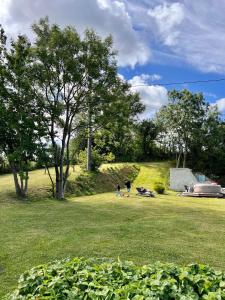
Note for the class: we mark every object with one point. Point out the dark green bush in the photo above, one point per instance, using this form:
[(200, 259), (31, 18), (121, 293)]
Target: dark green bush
[(98, 279), (159, 187)]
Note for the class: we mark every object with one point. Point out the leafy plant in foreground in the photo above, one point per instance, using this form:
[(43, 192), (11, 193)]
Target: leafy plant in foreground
[(103, 279)]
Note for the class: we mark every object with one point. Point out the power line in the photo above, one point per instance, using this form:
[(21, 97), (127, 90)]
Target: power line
[(180, 83)]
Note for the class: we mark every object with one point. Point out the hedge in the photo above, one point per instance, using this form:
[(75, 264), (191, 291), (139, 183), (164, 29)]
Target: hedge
[(103, 279)]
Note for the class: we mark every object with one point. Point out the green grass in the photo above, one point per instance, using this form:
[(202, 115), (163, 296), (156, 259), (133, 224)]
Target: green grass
[(166, 228)]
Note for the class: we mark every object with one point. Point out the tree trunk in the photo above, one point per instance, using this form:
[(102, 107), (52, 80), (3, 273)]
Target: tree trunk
[(89, 146), (184, 159), (20, 193), (59, 183), (21, 183), (26, 183), (59, 189), (178, 160), (16, 182), (52, 182), (60, 175), (89, 154)]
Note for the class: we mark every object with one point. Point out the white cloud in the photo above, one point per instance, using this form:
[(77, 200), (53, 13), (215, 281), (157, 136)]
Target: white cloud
[(105, 16), (220, 105), (183, 31), (131, 49), (4, 5), (168, 17), (152, 96), (177, 31), (202, 38), (155, 77), (149, 77), (191, 30), (121, 76)]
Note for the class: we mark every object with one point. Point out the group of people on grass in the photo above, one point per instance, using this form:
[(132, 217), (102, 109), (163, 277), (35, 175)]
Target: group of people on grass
[(141, 190), (128, 187)]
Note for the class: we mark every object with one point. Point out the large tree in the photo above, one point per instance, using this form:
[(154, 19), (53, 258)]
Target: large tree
[(69, 70), (146, 132), (184, 122), (19, 118), (207, 153), (115, 127), (116, 110), (109, 123), (101, 83)]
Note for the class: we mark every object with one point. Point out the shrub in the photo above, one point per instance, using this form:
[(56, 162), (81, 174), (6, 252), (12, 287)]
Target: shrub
[(159, 187), (97, 159), (102, 279)]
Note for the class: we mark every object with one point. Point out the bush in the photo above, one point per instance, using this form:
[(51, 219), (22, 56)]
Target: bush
[(101, 279), (97, 159), (159, 187)]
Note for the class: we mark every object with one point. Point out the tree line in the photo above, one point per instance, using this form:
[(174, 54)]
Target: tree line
[(188, 130), (62, 103)]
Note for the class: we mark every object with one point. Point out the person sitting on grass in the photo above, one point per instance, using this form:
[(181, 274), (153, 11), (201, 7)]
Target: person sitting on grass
[(143, 191)]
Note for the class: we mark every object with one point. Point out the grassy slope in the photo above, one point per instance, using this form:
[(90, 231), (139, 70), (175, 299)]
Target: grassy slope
[(166, 228), (102, 182)]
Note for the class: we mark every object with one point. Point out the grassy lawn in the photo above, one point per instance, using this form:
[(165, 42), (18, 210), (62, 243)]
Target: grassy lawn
[(166, 228)]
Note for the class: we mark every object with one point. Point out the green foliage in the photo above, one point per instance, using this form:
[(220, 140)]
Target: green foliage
[(78, 79), (185, 122), (20, 129), (4, 165), (146, 133), (105, 181), (159, 187), (208, 156), (117, 122), (103, 279), (97, 159), (108, 121)]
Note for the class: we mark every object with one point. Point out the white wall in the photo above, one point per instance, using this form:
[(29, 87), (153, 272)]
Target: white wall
[(180, 177)]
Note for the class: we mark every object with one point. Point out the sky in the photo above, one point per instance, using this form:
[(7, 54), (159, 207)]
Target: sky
[(157, 41)]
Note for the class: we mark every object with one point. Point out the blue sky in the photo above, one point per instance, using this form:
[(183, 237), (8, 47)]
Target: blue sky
[(158, 41)]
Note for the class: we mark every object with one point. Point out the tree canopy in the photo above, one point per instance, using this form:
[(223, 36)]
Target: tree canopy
[(19, 114)]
